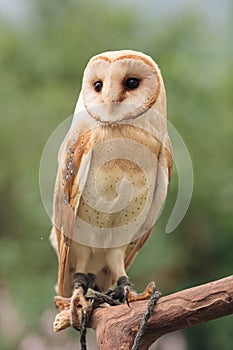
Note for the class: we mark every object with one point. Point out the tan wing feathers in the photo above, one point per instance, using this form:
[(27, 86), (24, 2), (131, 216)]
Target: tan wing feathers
[(165, 160), (66, 197)]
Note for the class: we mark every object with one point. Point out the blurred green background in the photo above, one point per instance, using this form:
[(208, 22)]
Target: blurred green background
[(44, 47)]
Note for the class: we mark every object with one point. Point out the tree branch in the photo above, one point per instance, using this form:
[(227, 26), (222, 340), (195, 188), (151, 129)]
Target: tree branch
[(116, 326)]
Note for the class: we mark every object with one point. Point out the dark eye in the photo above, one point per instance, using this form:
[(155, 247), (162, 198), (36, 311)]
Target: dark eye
[(98, 85), (132, 83)]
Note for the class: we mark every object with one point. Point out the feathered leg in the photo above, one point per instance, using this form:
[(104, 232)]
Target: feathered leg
[(125, 290)]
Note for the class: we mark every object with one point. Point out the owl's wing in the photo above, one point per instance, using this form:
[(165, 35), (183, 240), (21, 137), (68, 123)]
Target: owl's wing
[(161, 188), (74, 163)]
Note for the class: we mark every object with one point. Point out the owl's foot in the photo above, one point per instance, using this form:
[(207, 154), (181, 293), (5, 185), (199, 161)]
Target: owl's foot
[(78, 301), (125, 291), (87, 296), (81, 284), (121, 292), (75, 311)]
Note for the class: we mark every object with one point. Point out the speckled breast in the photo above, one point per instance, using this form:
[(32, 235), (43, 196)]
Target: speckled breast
[(120, 185)]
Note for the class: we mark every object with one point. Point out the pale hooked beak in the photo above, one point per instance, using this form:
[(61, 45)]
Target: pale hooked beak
[(111, 103), (112, 107), (112, 96)]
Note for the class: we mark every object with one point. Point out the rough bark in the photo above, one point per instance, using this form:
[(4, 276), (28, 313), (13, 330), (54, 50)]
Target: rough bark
[(116, 326)]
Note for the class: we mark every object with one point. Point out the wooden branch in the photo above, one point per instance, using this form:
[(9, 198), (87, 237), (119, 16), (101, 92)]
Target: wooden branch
[(116, 326)]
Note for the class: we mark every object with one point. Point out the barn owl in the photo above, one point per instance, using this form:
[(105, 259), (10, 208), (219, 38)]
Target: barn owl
[(114, 168)]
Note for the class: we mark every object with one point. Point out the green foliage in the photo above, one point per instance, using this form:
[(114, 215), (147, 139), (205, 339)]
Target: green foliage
[(41, 72)]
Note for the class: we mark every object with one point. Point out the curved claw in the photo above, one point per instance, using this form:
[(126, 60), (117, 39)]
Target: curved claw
[(126, 294)]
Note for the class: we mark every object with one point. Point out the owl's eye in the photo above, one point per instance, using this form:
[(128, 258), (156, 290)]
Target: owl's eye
[(132, 83), (98, 85)]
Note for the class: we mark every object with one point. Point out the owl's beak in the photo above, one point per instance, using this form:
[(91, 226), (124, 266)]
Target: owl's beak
[(112, 107), (112, 95), (112, 101)]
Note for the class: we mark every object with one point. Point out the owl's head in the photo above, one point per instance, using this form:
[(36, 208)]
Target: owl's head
[(121, 85)]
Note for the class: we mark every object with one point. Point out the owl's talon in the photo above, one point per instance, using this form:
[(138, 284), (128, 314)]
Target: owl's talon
[(125, 291), (82, 282)]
